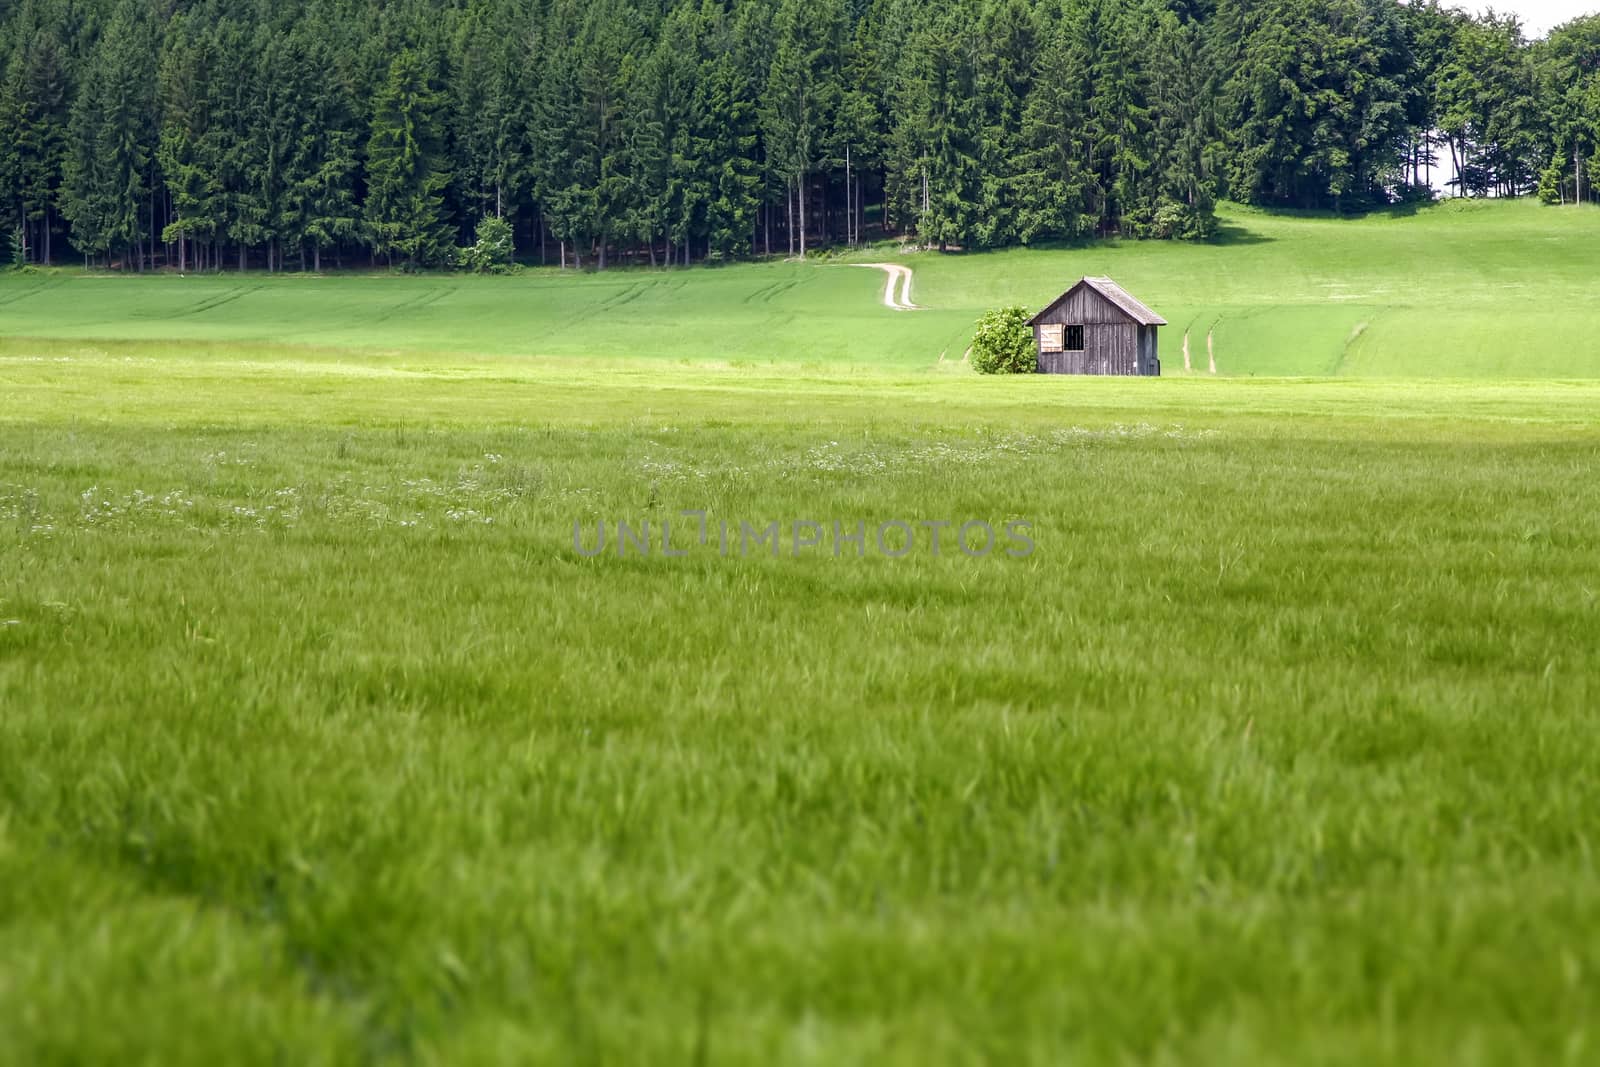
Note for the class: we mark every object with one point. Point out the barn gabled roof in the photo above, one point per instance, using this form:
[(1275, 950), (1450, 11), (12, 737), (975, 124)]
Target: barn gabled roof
[(1112, 292)]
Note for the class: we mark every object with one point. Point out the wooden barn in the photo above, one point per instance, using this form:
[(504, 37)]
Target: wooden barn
[(1097, 327)]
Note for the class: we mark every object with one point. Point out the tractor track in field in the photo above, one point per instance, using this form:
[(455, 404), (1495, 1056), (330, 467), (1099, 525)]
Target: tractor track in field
[(765, 294), (236, 293), (199, 307), (627, 295), (1341, 365), (48, 283), (771, 293), (626, 298), (432, 296), (897, 291)]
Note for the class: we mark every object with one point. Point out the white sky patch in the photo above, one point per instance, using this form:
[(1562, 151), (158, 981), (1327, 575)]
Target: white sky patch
[(1539, 17)]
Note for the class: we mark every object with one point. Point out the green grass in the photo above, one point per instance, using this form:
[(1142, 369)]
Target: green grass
[(1461, 289), (320, 743)]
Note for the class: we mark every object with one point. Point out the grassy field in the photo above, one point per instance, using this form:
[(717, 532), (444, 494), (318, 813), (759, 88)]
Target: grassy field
[(321, 741), (1458, 290)]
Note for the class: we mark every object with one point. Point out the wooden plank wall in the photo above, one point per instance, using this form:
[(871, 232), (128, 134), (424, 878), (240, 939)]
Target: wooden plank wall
[(1111, 342), (1149, 354)]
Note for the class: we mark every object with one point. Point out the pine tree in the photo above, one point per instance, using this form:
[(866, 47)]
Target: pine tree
[(936, 130), (320, 208), (1119, 122), (1055, 182), (857, 140), (187, 65), (406, 176), (11, 213), (729, 131), (1005, 72), (282, 86), (34, 106), (564, 149), (107, 172), (606, 54), (472, 123), (801, 92), (1182, 87), (230, 149), (657, 108)]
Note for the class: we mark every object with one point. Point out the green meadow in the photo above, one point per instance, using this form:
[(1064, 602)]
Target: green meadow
[(324, 740), (1464, 289)]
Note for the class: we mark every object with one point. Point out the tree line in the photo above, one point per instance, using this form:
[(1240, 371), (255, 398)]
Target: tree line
[(203, 134)]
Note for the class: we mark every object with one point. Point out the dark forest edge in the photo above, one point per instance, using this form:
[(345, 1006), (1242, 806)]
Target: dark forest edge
[(315, 133)]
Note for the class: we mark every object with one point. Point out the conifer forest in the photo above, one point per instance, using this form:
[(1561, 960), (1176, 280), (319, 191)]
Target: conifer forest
[(309, 134)]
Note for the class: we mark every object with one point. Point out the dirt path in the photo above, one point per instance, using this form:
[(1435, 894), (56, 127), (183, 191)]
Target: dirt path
[(897, 293)]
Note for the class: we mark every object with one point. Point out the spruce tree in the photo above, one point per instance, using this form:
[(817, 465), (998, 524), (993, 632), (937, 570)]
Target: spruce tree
[(709, 127), (187, 66), (937, 129), (729, 126), (1004, 79), (1054, 184), (321, 212), (11, 213), (1184, 136), (563, 142), (107, 169), (801, 92), (406, 175), (34, 106)]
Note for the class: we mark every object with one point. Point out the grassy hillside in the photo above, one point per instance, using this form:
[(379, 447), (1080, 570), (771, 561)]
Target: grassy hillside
[(1460, 289), (1476, 290)]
